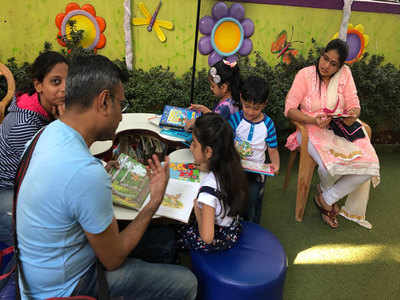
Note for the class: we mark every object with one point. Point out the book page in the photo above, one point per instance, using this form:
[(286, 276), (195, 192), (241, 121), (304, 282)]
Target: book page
[(184, 171), (130, 183), (178, 200)]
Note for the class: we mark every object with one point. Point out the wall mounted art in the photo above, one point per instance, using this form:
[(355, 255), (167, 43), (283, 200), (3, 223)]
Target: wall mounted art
[(356, 40), (152, 22), (84, 19), (226, 33)]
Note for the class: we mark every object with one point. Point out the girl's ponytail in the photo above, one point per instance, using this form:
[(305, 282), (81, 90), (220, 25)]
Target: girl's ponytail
[(235, 85)]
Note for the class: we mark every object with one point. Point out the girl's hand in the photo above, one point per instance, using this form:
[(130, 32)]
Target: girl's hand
[(58, 110), (322, 121), (199, 107), (111, 164), (189, 125)]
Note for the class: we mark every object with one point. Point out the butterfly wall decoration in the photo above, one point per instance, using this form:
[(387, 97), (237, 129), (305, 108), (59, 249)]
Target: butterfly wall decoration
[(284, 47)]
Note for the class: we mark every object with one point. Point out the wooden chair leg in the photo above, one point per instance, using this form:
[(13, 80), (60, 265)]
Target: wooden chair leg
[(292, 159), (306, 171)]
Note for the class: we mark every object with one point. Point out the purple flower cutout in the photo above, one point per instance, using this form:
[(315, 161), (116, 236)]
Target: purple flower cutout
[(226, 33)]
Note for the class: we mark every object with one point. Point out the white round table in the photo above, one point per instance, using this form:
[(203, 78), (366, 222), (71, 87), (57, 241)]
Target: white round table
[(137, 121)]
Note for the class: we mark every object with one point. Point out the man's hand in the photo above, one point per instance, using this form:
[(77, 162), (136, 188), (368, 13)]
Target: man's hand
[(111, 164), (199, 107), (322, 121), (159, 176)]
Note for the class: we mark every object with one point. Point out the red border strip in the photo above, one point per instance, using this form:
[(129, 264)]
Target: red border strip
[(366, 6)]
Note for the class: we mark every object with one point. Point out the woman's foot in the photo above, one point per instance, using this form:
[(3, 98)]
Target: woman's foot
[(360, 221), (328, 213), (336, 207)]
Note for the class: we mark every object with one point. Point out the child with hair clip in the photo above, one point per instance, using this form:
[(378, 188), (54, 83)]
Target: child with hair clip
[(223, 190), (224, 79)]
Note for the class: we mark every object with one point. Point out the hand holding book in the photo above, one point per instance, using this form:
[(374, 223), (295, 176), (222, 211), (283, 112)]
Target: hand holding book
[(159, 176), (166, 188)]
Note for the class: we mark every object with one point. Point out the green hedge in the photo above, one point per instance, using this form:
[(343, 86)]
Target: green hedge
[(378, 87)]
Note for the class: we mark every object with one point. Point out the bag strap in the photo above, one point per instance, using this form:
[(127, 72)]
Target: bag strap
[(21, 171), (209, 190), (3, 253)]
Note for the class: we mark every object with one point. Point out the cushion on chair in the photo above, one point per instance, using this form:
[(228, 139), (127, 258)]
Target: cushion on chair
[(253, 269)]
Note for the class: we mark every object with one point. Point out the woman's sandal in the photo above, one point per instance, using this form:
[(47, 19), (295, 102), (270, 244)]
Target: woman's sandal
[(328, 216), (336, 207)]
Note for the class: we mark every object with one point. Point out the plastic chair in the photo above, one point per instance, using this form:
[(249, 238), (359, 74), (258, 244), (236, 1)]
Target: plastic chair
[(306, 169), (4, 71), (254, 269)]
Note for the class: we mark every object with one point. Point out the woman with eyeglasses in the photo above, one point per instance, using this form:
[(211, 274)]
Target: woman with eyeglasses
[(321, 96)]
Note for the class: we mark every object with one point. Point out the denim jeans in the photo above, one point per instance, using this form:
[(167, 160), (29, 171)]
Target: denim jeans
[(6, 204), (138, 279), (256, 184)]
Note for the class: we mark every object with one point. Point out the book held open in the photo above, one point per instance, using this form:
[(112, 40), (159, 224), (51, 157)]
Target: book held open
[(130, 188), (176, 117)]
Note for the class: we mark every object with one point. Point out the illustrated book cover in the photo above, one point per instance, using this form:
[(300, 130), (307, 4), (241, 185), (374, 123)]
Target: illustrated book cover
[(176, 117), (256, 167), (130, 188)]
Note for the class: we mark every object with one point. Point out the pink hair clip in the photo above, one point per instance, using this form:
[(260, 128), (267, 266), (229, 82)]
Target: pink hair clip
[(231, 64)]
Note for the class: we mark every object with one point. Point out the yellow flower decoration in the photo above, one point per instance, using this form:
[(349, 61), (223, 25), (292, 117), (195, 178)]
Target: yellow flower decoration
[(85, 19), (356, 40)]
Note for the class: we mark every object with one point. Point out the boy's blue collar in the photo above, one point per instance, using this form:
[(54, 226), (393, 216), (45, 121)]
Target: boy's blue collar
[(255, 123)]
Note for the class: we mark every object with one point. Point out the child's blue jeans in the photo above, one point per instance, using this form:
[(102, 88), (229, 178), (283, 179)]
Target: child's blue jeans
[(256, 184)]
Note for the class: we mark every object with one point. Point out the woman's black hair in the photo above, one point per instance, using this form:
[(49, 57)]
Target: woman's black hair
[(214, 131), (42, 65), (230, 76), (342, 49)]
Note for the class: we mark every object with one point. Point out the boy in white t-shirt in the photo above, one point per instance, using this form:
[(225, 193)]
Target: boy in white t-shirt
[(254, 135)]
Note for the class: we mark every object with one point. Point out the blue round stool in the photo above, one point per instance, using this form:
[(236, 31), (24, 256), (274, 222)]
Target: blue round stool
[(254, 269)]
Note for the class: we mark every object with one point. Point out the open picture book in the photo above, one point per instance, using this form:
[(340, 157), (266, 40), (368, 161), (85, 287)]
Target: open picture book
[(130, 188)]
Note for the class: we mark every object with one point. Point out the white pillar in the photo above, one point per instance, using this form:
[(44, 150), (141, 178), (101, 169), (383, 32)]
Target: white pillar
[(128, 34)]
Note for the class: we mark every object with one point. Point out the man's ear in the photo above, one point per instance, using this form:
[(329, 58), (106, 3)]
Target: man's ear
[(208, 152), (37, 85), (102, 102)]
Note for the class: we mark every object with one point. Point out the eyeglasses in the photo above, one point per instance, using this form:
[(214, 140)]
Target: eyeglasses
[(331, 62), (125, 104)]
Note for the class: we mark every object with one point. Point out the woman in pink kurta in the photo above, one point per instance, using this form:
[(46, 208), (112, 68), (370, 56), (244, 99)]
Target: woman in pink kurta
[(318, 93)]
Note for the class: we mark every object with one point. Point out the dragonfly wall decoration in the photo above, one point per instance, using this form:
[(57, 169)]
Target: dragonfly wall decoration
[(152, 22)]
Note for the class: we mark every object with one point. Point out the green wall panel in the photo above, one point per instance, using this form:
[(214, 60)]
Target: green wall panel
[(26, 25)]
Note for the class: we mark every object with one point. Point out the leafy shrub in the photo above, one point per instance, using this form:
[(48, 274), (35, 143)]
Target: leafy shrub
[(148, 91)]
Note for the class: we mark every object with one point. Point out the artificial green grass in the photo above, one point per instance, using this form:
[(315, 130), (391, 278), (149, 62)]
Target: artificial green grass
[(350, 262)]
